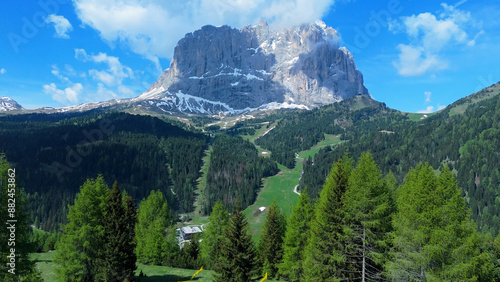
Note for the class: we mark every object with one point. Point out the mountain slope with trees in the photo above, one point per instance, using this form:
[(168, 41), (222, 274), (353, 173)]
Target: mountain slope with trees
[(54, 154), (463, 136)]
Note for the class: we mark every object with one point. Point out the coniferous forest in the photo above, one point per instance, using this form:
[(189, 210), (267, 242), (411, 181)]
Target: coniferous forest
[(399, 197)]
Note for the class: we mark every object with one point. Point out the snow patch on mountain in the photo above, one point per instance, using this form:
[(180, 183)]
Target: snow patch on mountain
[(8, 104)]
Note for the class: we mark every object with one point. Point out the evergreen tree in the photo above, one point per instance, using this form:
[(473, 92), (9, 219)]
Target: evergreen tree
[(10, 195), (190, 253), (297, 232), (434, 239), (368, 210), (153, 221), (83, 236), (238, 259), (324, 260), (213, 235), (117, 255), (271, 241)]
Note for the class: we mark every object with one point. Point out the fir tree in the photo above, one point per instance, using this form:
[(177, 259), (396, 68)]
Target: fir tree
[(434, 239), (297, 232), (83, 236), (153, 221), (213, 235), (23, 268), (368, 209), (238, 259), (324, 260), (271, 241), (117, 256), (190, 253)]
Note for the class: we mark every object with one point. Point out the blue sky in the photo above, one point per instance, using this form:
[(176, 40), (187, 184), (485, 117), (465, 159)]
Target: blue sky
[(414, 55)]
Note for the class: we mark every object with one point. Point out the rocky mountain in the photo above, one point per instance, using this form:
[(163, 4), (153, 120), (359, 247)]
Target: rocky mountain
[(232, 71), (7, 104), (236, 70)]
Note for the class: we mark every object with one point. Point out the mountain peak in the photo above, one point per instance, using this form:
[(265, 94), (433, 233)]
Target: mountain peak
[(8, 104), (255, 66)]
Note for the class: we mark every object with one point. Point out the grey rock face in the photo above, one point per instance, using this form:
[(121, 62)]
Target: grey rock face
[(257, 65)]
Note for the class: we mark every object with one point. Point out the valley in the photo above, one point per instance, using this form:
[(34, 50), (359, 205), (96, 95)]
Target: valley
[(259, 152)]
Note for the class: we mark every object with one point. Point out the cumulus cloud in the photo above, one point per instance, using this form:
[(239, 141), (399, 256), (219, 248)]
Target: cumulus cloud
[(65, 96), (113, 74), (61, 25), (152, 28), (429, 36), (3, 71)]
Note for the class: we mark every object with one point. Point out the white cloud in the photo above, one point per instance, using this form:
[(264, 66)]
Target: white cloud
[(67, 96), (3, 71), (55, 71), (61, 25), (428, 110), (427, 96), (104, 94), (415, 61), (115, 72), (125, 91), (152, 28), (81, 55), (429, 36)]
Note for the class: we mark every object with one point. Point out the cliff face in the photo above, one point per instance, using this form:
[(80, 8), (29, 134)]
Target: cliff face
[(256, 66)]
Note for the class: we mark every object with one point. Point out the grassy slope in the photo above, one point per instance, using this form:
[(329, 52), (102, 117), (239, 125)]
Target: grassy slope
[(280, 187), (202, 183)]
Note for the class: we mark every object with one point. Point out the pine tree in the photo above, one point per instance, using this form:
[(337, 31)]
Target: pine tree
[(10, 193), (324, 260), (368, 210), (213, 235), (434, 238), (83, 236), (271, 241), (153, 221), (297, 231), (238, 258), (190, 253), (117, 255)]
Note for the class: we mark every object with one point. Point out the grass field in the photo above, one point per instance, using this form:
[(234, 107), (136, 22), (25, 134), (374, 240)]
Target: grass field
[(280, 187), (44, 263)]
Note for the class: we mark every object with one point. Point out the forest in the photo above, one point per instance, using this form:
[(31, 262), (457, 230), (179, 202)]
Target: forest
[(86, 178), (55, 154), (362, 227)]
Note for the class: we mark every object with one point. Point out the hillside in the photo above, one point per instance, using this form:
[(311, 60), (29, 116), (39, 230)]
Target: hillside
[(55, 154), (463, 136)]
